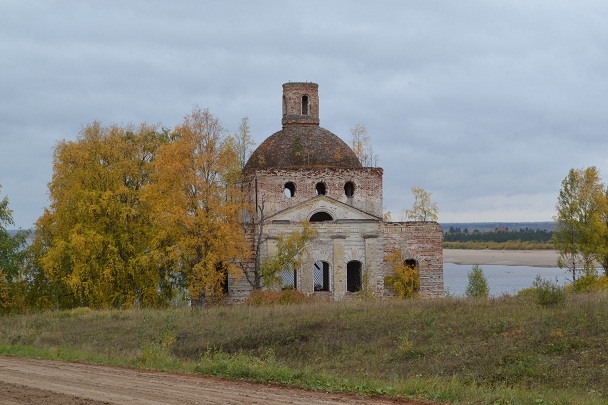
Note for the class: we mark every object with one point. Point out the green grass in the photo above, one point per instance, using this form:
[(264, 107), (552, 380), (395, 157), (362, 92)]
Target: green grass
[(506, 350)]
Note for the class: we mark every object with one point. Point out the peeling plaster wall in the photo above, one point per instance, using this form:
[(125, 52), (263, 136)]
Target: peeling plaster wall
[(368, 242)]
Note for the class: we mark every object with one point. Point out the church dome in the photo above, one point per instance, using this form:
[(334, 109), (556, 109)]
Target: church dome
[(302, 143), (302, 146)]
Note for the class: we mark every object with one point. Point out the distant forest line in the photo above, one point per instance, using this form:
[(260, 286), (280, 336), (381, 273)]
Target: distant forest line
[(516, 236)]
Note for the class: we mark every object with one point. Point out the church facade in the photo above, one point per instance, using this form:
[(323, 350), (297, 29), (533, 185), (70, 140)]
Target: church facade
[(306, 173)]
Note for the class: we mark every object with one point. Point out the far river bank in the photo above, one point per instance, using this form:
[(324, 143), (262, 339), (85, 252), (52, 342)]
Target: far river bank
[(532, 258)]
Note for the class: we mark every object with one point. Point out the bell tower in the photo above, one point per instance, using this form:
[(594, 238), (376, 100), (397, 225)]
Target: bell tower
[(300, 104)]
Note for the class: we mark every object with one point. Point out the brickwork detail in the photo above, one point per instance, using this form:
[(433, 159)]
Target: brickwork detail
[(298, 97)]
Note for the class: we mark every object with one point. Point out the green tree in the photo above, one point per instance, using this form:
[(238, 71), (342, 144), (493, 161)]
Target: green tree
[(580, 224), (602, 256), (423, 209), (12, 247), (12, 254), (477, 286), (91, 246), (196, 206), (291, 252)]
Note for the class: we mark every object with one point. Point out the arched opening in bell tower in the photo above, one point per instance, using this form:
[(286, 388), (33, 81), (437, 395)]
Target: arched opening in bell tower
[(304, 105)]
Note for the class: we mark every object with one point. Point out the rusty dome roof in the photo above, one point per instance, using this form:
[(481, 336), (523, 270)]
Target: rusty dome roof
[(303, 146)]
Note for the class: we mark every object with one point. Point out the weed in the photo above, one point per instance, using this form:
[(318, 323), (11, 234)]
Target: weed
[(547, 293), (405, 344), (273, 297)]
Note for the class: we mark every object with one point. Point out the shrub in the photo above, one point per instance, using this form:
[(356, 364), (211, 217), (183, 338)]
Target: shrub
[(406, 279), (547, 293), (478, 284), (591, 281), (273, 297)]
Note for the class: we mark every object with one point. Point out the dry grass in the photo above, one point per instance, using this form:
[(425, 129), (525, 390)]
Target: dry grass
[(504, 350)]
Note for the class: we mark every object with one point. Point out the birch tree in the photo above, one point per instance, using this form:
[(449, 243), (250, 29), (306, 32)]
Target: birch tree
[(91, 244), (362, 147), (580, 224), (196, 207), (423, 209)]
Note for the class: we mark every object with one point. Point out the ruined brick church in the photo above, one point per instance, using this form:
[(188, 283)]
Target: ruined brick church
[(306, 173)]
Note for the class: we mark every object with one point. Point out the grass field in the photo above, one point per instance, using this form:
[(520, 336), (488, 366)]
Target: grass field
[(493, 351)]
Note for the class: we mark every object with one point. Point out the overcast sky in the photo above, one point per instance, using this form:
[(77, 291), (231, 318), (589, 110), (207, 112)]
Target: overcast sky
[(485, 104)]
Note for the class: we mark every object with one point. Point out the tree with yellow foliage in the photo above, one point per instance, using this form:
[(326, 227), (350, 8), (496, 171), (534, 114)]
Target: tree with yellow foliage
[(581, 222), (423, 209), (362, 147), (196, 206), (91, 245)]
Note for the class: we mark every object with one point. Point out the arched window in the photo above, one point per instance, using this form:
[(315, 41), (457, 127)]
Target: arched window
[(349, 189), (304, 105), (289, 189), (353, 276), (320, 187), (321, 276), (321, 216), (289, 279)]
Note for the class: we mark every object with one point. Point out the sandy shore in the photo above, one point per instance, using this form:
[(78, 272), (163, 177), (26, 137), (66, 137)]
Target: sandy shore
[(535, 258)]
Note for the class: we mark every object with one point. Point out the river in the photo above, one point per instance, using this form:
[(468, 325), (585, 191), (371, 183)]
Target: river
[(501, 279)]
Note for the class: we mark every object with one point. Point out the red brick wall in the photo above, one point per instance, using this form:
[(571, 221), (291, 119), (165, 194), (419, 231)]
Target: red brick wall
[(421, 241), (271, 183)]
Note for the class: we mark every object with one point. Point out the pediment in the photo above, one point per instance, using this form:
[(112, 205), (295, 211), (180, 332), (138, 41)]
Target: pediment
[(321, 204)]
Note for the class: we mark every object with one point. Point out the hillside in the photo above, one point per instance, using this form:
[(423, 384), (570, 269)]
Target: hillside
[(499, 351)]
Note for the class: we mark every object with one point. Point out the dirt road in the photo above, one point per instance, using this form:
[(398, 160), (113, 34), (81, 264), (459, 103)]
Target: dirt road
[(24, 381)]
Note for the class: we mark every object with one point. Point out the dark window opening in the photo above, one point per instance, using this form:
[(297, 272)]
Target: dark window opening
[(223, 269), (289, 279), (321, 275), (284, 106), (225, 284), (289, 190), (304, 105), (321, 216), (349, 189), (411, 263), (320, 187), (353, 276)]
